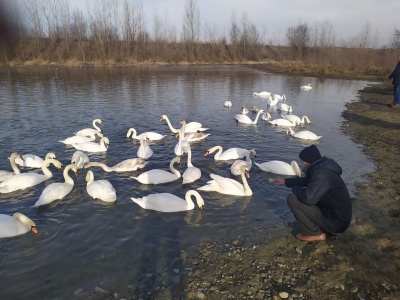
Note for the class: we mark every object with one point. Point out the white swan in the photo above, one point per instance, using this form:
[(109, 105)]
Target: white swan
[(153, 136), (127, 165), (144, 150), (236, 168), (27, 180), (166, 202), (16, 224), (58, 190), (282, 122), (231, 153), (76, 139), (266, 116), (102, 146), (246, 120), (244, 110), (272, 101), (100, 189), (196, 136), (79, 159), (158, 176), (254, 109), (4, 174), (279, 97), (303, 134), (229, 186), (181, 142), (285, 107), (297, 119), (32, 160), (306, 87), (192, 173), (90, 131), (228, 104), (263, 94), (190, 127), (280, 167)]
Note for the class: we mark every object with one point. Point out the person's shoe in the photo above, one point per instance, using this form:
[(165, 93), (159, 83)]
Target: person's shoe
[(311, 238), (395, 106)]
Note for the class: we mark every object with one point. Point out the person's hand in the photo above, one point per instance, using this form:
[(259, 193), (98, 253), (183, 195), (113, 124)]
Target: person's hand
[(277, 181)]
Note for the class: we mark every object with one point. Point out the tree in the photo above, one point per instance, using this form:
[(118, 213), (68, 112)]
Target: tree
[(396, 39), (298, 38), (191, 27)]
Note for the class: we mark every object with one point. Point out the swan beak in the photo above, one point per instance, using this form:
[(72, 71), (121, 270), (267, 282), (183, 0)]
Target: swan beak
[(106, 145), (201, 208), (161, 118), (247, 174), (34, 229), (62, 168), (207, 153)]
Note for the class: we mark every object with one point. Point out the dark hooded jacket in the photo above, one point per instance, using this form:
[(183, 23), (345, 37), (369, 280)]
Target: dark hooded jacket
[(395, 75), (322, 186)]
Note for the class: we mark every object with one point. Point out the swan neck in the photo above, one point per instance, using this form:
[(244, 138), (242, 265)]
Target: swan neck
[(189, 160), (189, 201), (217, 155), (45, 169), (246, 186), (258, 115), (14, 165), (95, 125), (173, 170), (170, 125), (98, 164), (68, 178)]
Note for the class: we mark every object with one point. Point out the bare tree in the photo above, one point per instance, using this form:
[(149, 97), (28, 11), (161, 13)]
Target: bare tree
[(396, 39), (234, 35), (79, 31), (298, 38), (191, 27), (35, 10), (323, 35)]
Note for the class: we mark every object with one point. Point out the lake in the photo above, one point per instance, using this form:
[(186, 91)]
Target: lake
[(83, 243)]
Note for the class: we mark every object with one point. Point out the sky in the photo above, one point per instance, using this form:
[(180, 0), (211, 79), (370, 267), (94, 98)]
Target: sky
[(273, 17)]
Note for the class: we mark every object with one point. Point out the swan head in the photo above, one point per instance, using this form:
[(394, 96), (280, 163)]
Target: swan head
[(98, 121), (131, 131), (25, 220), (253, 151), (163, 117), (16, 155), (106, 141), (245, 170), (74, 168), (50, 155), (89, 176)]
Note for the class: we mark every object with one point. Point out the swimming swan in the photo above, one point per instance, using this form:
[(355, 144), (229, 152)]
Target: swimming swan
[(303, 134), (76, 139), (16, 224), (236, 168), (279, 97), (272, 101), (158, 176), (178, 150), (280, 167), (229, 186), (285, 107), (32, 160), (100, 189), (306, 87), (102, 146), (266, 116), (263, 94), (4, 174), (166, 202), (195, 137), (58, 190), (153, 136), (144, 150), (190, 127), (297, 119), (246, 120), (79, 159), (282, 122), (228, 104), (244, 110), (127, 165), (192, 173), (27, 180), (231, 153), (90, 131)]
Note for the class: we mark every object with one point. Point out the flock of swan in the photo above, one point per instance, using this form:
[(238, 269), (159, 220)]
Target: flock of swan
[(84, 141)]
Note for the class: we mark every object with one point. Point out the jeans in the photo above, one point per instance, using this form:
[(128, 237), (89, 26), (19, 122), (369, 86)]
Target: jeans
[(396, 92)]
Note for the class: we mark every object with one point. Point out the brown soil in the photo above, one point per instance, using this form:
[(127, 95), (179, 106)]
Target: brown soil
[(362, 263)]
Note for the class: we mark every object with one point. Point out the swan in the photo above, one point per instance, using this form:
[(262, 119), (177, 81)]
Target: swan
[(282, 122), (266, 116), (237, 165), (192, 173), (144, 150), (158, 176), (16, 224), (102, 146), (229, 186), (100, 189), (153, 136), (57, 190), (90, 131), (272, 101), (303, 134), (279, 97), (181, 142), (166, 202), (254, 109), (27, 180), (127, 165), (285, 107), (32, 160), (263, 94), (231, 153), (196, 136), (76, 139), (280, 167), (228, 104), (296, 119), (246, 120), (190, 127), (79, 159), (4, 174), (306, 87), (244, 110)]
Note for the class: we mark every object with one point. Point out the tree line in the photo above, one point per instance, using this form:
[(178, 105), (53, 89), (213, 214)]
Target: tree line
[(115, 32)]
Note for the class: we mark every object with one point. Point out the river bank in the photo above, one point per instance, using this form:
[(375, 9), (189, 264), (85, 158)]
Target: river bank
[(362, 263)]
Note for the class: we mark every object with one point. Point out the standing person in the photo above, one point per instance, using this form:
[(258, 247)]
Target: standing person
[(395, 76), (320, 200)]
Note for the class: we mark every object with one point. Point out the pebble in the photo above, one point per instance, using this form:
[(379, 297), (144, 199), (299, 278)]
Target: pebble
[(299, 250), (78, 291), (100, 290), (235, 242), (195, 261), (200, 295), (283, 295), (176, 271), (354, 289)]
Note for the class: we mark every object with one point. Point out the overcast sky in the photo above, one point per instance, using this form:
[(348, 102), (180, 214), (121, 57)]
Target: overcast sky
[(273, 17)]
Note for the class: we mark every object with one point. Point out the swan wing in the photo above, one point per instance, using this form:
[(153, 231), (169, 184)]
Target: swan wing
[(9, 227), (164, 202), (21, 182), (191, 174), (54, 191), (277, 167), (30, 161), (233, 153), (223, 185), (243, 118), (103, 190), (87, 132), (156, 176)]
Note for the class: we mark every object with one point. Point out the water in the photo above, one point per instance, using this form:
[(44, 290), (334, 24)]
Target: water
[(84, 243)]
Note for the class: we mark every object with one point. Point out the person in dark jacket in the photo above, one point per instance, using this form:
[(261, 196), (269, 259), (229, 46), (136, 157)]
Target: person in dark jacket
[(320, 200), (395, 76)]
